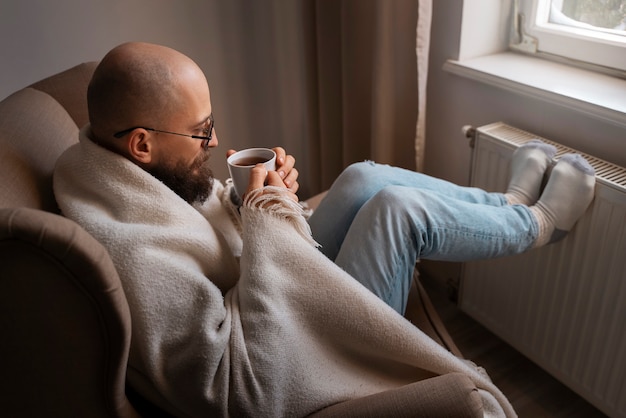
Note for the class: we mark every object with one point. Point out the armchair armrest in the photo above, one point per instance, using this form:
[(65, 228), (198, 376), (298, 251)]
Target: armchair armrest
[(64, 320)]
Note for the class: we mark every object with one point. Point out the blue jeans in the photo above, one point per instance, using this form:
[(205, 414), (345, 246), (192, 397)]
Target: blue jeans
[(378, 220)]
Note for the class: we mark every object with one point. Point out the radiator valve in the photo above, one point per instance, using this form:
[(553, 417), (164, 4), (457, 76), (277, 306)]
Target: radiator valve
[(470, 132)]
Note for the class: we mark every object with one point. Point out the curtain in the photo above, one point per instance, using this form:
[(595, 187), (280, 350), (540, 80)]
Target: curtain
[(331, 81)]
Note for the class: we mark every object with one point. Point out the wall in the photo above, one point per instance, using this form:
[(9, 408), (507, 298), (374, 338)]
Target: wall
[(42, 37), (454, 102)]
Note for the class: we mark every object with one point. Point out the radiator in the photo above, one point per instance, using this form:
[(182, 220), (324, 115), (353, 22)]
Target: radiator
[(564, 305)]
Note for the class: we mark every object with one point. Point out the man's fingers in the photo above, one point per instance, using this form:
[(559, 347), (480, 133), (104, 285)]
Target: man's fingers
[(273, 179), (257, 178), (291, 178), (280, 155), (294, 187)]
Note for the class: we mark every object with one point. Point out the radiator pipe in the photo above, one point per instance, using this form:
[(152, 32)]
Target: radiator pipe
[(470, 132)]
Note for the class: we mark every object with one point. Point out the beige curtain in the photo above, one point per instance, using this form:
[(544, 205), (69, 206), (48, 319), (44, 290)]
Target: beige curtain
[(332, 81)]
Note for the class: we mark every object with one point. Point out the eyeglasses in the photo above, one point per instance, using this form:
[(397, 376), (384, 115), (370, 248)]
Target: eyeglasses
[(208, 131)]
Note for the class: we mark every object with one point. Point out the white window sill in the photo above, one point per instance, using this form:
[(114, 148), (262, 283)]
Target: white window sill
[(599, 95)]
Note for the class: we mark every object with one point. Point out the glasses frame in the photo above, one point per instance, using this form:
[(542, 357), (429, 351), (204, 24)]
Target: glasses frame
[(206, 139)]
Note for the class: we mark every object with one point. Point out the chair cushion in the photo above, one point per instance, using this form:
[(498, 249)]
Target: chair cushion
[(69, 88), (34, 130), (64, 320)]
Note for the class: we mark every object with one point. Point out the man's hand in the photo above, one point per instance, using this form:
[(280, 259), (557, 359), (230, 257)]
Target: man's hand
[(286, 170), (260, 177), (286, 174)]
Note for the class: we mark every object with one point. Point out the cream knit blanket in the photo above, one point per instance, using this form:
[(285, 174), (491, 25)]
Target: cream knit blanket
[(290, 334)]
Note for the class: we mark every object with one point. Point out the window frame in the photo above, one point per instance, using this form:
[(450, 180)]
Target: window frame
[(578, 44)]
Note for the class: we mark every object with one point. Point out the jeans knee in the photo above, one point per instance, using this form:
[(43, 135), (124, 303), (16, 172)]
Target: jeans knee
[(358, 179), (358, 173), (392, 196), (392, 202)]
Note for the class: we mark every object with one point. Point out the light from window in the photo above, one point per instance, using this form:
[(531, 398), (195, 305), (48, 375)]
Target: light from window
[(591, 31), (607, 16)]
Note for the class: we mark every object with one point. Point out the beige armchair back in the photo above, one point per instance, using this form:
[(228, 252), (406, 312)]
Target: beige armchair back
[(64, 318)]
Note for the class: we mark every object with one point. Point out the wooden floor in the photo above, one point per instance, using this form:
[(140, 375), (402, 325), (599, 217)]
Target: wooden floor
[(532, 392)]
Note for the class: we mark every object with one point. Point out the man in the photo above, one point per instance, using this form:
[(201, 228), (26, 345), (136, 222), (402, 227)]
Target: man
[(235, 312)]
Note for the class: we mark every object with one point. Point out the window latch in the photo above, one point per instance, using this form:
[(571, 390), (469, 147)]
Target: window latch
[(524, 42)]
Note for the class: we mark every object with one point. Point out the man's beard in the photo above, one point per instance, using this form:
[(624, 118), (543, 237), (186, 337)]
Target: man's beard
[(192, 183)]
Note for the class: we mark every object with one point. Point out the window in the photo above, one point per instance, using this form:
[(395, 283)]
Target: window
[(589, 31)]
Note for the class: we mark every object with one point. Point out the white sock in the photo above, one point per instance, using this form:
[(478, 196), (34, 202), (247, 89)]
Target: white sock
[(567, 196), (528, 166)]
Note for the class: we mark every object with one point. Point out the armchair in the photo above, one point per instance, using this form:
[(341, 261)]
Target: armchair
[(64, 319)]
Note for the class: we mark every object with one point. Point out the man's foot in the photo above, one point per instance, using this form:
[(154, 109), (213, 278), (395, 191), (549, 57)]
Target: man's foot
[(567, 196), (528, 166)]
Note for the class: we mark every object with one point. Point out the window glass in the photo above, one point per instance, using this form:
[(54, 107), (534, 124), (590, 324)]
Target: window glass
[(587, 31), (608, 16)]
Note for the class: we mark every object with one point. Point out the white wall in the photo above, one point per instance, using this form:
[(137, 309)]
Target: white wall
[(454, 101), (40, 37)]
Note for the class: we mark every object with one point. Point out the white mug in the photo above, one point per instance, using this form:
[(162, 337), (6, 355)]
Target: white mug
[(242, 162)]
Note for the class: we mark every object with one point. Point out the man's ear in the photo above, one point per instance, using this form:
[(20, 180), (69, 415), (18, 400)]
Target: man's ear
[(140, 146)]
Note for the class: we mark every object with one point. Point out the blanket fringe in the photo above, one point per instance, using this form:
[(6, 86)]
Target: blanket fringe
[(279, 204)]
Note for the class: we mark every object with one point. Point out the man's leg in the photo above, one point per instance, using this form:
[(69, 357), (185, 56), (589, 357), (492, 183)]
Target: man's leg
[(400, 225), (360, 182)]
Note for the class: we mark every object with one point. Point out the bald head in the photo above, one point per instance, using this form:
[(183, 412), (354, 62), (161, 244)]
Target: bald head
[(138, 84)]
